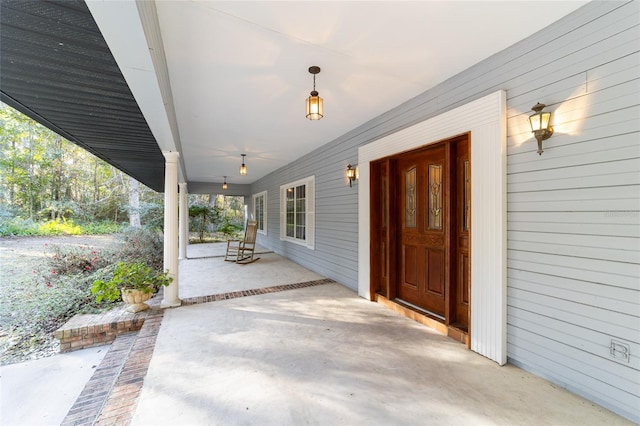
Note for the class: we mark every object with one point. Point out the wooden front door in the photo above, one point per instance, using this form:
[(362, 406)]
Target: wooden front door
[(423, 227), (421, 230), (461, 236)]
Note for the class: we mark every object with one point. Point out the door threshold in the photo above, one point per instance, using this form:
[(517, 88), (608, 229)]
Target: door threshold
[(423, 318), (419, 309)]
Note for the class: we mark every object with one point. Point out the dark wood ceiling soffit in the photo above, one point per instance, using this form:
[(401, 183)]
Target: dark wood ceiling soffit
[(57, 69)]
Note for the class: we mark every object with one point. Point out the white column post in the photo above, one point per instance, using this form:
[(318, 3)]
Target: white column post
[(171, 298), (183, 212)]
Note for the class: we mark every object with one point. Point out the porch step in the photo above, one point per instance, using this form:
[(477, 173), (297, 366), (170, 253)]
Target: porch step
[(89, 330)]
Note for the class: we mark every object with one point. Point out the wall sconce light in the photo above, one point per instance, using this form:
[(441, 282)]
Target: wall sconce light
[(351, 174), (243, 168), (315, 108), (224, 184), (540, 125)]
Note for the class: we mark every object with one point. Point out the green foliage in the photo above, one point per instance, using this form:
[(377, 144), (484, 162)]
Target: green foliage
[(43, 176), (102, 228), (57, 210), (77, 260), (18, 227), (134, 276), (152, 213), (230, 230), (34, 305), (42, 308), (202, 216), (56, 287), (26, 227), (144, 245), (59, 227)]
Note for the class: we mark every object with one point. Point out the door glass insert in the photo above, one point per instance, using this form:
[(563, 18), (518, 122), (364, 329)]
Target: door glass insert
[(384, 201), (435, 196), (467, 197), (410, 199)]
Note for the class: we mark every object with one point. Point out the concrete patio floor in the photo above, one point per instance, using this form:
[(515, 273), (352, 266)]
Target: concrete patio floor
[(324, 356), (40, 392), (205, 272), (318, 355)]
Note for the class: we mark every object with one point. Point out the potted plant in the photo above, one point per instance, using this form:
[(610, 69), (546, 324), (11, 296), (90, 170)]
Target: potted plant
[(134, 281)]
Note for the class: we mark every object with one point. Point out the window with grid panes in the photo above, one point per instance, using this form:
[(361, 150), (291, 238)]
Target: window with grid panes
[(260, 211), (297, 212)]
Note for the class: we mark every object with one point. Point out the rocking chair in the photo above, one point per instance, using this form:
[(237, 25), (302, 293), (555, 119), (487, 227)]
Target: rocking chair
[(242, 251)]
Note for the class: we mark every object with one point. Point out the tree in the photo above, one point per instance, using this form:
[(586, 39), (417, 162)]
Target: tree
[(134, 203), (44, 176), (203, 215)]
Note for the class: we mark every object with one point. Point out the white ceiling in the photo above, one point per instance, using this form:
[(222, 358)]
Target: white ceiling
[(239, 70)]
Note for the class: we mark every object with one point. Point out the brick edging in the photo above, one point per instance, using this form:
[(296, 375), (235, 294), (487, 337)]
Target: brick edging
[(253, 292), (88, 330), (89, 403), (123, 398)]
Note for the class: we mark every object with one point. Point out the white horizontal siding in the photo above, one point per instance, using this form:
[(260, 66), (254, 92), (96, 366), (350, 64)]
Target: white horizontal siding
[(573, 214), (551, 364)]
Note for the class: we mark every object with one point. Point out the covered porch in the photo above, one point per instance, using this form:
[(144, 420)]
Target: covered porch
[(176, 103)]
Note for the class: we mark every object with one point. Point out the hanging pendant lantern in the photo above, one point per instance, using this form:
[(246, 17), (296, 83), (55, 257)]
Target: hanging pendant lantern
[(243, 168), (315, 108)]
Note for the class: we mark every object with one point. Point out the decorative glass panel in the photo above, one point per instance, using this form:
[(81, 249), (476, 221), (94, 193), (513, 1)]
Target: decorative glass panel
[(435, 196), (410, 199), (467, 198), (384, 201)]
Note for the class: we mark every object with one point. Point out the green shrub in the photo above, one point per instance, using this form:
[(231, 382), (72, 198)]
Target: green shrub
[(142, 244), (16, 226), (102, 228), (130, 276), (230, 230), (40, 304), (60, 287), (59, 227), (78, 260)]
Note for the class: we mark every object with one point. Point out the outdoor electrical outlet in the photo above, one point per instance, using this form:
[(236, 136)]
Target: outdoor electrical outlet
[(620, 351)]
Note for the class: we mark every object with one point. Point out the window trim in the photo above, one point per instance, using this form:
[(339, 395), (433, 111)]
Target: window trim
[(310, 224), (264, 213)]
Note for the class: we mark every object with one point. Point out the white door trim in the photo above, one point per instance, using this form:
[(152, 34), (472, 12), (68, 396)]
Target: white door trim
[(485, 119)]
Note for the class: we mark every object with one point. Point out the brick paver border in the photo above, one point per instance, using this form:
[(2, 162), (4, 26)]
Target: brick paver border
[(92, 398), (252, 292), (111, 395)]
